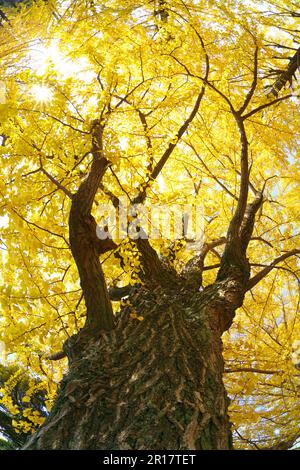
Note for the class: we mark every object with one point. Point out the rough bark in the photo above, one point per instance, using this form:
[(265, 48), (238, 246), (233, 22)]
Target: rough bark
[(85, 245), (150, 384)]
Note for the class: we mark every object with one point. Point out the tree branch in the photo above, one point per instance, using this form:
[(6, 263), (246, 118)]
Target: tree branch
[(253, 86), (284, 445), (57, 356), (233, 259), (210, 172), (84, 198), (287, 75), (251, 369), (247, 226), (237, 218), (118, 293), (57, 184), (264, 106), (85, 245), (264, 272), (152, 266), (193, 270), (163, 160)]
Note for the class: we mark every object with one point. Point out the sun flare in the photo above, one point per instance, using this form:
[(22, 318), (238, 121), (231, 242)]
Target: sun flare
[(41, 57), (41, 93)]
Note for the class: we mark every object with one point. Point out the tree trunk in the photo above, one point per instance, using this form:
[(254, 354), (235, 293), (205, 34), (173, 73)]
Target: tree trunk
[(149, 384)]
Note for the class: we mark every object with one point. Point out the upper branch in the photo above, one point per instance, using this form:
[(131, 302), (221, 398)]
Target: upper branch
[(172, 145), (85, 195), (163, 160), (263, 106), (57, 183), (255, 370), (234, 226), (254, 83), (287, 75), (234, 263), (153, 269), (264, 272)]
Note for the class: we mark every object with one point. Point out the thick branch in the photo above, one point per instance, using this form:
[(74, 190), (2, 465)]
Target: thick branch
[(234, 226), (234, 262), (118, 293), (287, 75), (152, 266), (194, 268), (57, 356), (85, 245), (84, 198), (249, 220)]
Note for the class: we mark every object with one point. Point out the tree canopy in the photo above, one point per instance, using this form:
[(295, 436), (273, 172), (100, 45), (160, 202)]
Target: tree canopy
[(181, 90)]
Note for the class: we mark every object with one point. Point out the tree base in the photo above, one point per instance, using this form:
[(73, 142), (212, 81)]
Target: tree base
[(153, 384)]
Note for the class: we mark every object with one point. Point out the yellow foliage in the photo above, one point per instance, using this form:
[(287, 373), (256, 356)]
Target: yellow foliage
[(62, 68)]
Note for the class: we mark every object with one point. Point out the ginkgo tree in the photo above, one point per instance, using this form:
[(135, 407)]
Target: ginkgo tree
[(141, 341)]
